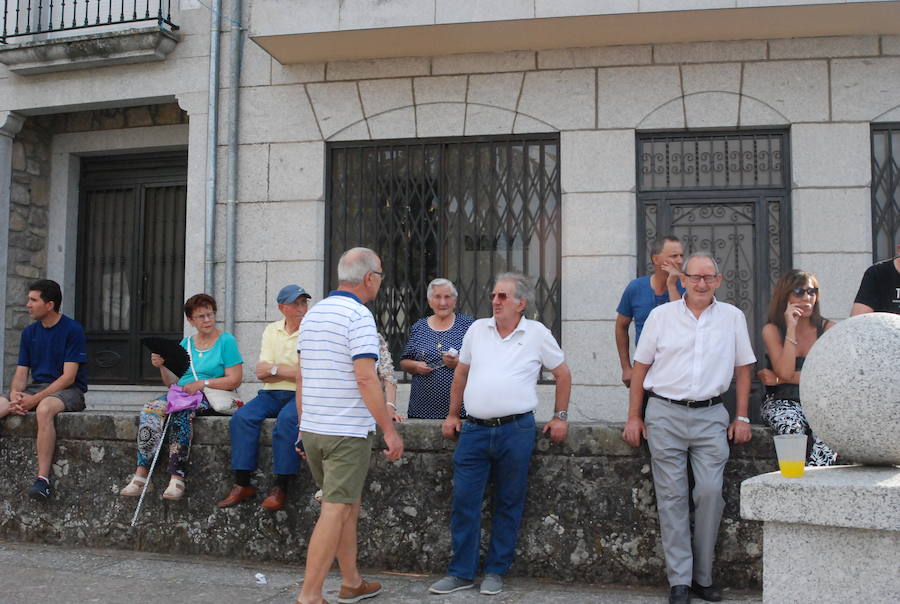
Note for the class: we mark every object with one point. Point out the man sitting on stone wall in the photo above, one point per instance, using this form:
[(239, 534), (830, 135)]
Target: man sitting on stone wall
[(277, 368), (53, 349), (686, 366)]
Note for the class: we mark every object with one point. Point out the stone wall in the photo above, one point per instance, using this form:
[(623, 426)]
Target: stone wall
[(590, 514), (28, 222), (30, 199)]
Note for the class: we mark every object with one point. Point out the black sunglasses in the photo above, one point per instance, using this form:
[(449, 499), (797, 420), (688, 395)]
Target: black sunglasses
[(799, 291)]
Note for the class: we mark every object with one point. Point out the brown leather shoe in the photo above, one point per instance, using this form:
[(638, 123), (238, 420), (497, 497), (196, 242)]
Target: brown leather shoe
[(275, 500), (366, 589), (237, 495)]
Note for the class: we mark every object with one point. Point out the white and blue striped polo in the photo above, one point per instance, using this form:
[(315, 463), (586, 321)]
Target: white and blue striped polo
[(334, 333)]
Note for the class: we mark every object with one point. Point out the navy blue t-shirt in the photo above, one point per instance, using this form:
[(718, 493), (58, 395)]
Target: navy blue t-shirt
[(639, 299), (45, 350)]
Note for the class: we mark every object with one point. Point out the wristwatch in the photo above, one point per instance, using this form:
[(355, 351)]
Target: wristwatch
[(273, 371), (741, 418), (563, 415), (206, 383)]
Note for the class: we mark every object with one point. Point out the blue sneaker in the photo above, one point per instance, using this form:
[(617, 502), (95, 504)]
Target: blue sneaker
[(40, 490)]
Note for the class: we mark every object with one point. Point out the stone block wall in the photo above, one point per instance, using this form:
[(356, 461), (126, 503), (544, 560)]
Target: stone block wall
[(826, 92), (28, 229), (30, 200), (590, 514)]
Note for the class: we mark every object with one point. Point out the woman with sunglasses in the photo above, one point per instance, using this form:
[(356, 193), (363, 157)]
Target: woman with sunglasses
[(793, 328), (217, 363)]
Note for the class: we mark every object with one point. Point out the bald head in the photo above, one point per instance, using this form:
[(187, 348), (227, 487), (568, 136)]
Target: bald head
[(355, 263)]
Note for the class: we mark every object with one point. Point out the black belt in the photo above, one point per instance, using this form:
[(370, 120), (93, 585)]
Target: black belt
[(691, 404), (497, 421)]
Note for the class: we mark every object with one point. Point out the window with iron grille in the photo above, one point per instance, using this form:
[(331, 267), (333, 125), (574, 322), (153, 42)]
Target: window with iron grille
[(463, 208), (885, 190), (725, 193)]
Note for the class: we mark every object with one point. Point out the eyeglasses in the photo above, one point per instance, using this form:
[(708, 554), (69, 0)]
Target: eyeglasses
[(204, 316), (379, 273), (501, 295), (696, 278), (799, 291)]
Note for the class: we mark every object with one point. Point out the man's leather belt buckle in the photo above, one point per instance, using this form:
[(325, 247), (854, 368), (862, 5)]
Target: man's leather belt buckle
[(692, 404), (495, 422)]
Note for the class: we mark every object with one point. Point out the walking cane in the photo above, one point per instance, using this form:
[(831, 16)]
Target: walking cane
[(137, 510)]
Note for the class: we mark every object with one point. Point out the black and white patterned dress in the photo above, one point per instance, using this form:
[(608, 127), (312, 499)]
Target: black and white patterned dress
[(782, 412)]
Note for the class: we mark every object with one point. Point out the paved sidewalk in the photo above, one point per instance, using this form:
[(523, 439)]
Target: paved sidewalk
[(37, 574)]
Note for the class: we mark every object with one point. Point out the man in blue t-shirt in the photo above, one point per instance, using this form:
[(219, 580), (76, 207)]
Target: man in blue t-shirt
[(53, 349), (646, 293)]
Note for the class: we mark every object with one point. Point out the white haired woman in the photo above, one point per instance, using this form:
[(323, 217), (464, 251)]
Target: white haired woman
[(432, 352)]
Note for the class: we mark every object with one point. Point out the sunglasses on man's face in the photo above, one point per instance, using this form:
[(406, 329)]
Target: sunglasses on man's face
[(799, 291), (502, 296)]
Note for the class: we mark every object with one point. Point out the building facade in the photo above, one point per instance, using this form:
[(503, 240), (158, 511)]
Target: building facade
[(457, 138)]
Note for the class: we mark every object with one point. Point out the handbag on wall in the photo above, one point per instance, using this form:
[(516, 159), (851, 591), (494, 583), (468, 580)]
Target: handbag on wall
[(179, 400), (221, 401)]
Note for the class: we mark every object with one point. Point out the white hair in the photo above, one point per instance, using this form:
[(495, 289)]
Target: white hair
[(441, 282), (354, 264), (700, 255), (524, 288)]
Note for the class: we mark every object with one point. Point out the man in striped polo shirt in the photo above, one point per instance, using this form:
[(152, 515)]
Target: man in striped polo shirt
[(339, 401)]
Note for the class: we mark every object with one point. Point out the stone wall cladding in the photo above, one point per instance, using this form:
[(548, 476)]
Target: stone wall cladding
[(597, 98), (590, 514), (28, 229), (778, 81), (30, 198)]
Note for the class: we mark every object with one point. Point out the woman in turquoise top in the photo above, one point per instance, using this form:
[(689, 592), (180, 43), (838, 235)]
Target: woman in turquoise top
[(217, 363)]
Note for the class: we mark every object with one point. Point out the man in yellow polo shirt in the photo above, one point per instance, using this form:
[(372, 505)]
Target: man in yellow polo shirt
[(277, 368)]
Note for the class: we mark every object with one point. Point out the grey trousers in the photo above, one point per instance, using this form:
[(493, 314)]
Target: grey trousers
[(675, 434)]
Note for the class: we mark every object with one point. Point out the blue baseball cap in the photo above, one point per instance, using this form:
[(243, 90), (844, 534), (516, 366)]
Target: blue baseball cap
[(289, 293)]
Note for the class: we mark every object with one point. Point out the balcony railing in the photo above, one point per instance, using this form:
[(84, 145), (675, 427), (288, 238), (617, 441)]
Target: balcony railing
[(30, 17)]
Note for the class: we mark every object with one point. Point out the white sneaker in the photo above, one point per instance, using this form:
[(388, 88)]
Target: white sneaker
[(134, 488), (175, 490)]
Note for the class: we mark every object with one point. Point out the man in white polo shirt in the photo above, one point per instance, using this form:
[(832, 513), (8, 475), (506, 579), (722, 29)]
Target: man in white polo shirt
[(499, 365), (339, 401), (688, 352)]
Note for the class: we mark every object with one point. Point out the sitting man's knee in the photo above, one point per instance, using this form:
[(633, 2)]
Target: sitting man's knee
[(48, 408)]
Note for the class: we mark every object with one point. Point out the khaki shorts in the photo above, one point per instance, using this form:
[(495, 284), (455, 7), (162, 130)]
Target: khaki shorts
[(338, 464)]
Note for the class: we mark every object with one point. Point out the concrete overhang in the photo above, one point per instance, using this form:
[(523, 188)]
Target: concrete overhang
[(118, 47), (857, 18)]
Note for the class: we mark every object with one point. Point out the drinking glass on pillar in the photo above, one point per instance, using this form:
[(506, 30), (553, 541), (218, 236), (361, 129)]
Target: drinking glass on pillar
[(791, 451)]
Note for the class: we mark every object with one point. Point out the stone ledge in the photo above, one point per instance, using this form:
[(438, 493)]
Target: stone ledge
[(584, 440), (590, 514), (861, 497), (136, 45)]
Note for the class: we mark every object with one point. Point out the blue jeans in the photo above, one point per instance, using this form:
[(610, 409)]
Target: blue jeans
[(246, 424), (502, 454)]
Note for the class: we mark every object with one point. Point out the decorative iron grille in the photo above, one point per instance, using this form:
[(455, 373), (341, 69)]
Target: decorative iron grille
[(700, 188), (885, 191), (28, 17), (465, 209), (714, 161), (130, 280)]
